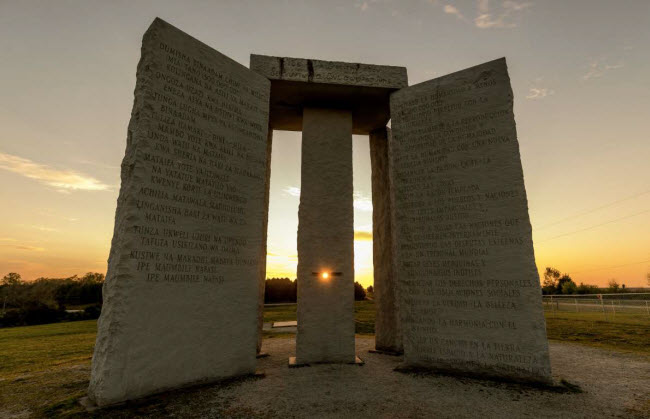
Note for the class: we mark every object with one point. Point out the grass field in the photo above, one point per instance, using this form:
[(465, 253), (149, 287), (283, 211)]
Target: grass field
[(44, 369)]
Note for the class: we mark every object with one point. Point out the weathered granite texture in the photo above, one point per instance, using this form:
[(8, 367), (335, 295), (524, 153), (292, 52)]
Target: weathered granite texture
[(325, 240), (181, 292), (262, 277), (329, 72), (388, 335), (296, 83), (470, 299)]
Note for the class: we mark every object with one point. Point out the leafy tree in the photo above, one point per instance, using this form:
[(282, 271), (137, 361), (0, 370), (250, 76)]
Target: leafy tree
[(587, 289), (93, 278), (9, 289), (12, 278), (280, 290), (613, 286), (569, 287), (359, 292), (564, 279), (551, 276), (370, 289)]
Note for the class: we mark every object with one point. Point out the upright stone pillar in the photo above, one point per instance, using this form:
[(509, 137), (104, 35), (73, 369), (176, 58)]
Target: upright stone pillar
[(181, 290), (326, 239), (265, 228), (388, 335)]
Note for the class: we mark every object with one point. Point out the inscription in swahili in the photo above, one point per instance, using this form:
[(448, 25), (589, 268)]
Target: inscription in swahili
[(198, 168), (189, 224), (466, 271)]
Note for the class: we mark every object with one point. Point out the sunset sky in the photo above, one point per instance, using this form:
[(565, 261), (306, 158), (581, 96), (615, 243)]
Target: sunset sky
[(580, 73)]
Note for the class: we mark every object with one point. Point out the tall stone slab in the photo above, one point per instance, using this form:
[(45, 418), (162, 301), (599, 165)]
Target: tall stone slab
[(265, 225), (181, 294), (388, 336), (470, 299), (326, 240)]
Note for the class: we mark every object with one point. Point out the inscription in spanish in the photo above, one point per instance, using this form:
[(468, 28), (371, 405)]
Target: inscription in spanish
[(469, 288)]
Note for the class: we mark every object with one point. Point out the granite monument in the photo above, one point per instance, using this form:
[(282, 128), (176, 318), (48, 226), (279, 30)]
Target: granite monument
[(456, 285)]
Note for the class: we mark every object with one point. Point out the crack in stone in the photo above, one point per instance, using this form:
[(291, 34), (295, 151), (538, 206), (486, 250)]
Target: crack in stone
[(310, 71)]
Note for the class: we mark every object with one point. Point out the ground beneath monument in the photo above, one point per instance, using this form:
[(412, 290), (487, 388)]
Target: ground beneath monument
[(613, 385)]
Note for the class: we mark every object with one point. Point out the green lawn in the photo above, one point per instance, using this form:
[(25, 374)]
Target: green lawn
[(624, 332), (44, 369)]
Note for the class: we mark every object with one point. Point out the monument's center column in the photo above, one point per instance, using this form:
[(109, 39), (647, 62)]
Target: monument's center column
[(325, 239), (328, 101)]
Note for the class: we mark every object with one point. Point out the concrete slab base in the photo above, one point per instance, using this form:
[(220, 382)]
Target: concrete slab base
[(292, 323), (294, 364)]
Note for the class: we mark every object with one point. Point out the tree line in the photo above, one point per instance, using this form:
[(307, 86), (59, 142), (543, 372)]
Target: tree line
[(285, 290), (556, 283), (50, 300), (45, 300)]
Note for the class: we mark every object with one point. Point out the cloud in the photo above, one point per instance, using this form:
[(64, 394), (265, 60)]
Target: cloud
[(505, 17), (62, 180), (363, 6), (362, 202), (292, 190), (43, 228), (451, 10), (23, 247), (99, 164), (598, 68), (539, 93), (363, 235)]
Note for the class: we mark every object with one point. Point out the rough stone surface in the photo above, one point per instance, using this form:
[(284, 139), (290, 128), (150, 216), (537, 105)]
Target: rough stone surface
[(329, 72), (388, 335), (470, 298), (181, 292), (262, 277), (325, 240), (296, 83)]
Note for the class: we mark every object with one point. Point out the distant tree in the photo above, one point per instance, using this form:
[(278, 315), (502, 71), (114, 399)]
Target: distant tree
[(569, 287), (551, 276), (280, 290), (370, 289), (359, 292), (613, 285), (12, 278), (587, 289), (564, 279), (9, 289), (93, 278)]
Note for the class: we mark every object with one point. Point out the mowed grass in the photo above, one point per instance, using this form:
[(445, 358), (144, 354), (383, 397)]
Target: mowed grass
[(625, 333), (44, 370)]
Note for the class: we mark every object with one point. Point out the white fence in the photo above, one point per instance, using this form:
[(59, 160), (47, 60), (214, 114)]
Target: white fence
[(634, 304)]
